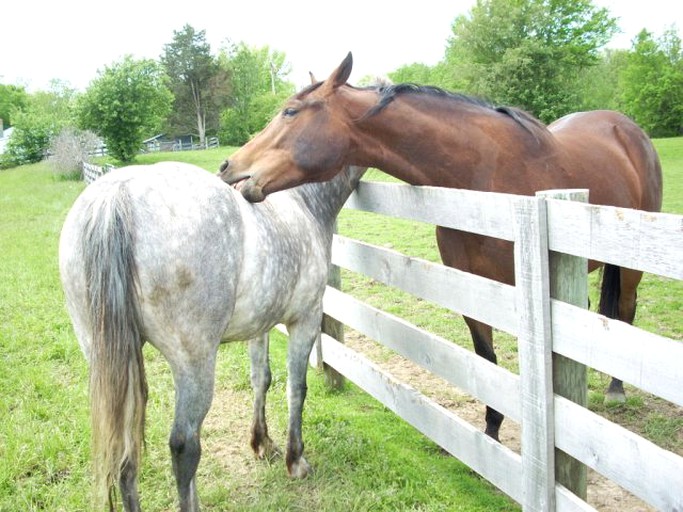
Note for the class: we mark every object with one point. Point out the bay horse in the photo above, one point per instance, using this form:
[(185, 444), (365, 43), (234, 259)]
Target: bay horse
[(427, 136), (171, 255)]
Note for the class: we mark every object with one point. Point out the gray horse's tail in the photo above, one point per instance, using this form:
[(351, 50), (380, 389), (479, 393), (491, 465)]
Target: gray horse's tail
[(118, 387)]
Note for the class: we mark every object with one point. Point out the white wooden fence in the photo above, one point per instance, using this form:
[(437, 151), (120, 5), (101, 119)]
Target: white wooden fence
[(91, 171), (548, 329)]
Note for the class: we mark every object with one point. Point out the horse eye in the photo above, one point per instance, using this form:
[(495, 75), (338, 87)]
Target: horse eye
[(289, 112)]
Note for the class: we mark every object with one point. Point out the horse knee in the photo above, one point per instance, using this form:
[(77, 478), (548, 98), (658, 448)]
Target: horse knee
[(185, 452)]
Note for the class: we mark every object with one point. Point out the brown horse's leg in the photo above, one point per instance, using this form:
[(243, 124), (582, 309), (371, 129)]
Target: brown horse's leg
[(261, 443), (482, 336), (485, 257), (626, 312)]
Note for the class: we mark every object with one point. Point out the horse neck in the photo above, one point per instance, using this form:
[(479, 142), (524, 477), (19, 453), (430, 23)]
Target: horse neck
[(325, 199), (421, 145)]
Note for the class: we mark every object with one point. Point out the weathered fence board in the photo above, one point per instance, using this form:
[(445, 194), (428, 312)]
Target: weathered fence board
[(478, 297), (491, 384), (485, 213), (648, 471), (652, 242), (646, 360)]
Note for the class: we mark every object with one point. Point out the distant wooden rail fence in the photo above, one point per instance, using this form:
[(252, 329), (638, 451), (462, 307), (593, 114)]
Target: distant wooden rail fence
[(553, 239), (91, 171), (157, 145)]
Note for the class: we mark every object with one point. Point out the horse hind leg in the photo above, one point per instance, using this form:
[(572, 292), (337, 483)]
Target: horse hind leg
[(263, 446), (482, 337), (194, 392), (618, 300)]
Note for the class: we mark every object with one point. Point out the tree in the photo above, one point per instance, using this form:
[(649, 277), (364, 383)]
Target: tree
[(652, 83), (42, 116), (199, 85), (258, 90), (12, 99), (599, 86), (528, 53), (125, 104)]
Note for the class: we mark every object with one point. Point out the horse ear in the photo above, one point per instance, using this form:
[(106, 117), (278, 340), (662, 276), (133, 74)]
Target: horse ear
[(340, 75), (313, 80)]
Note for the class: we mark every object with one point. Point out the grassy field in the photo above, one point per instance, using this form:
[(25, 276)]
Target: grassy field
[(364, 457)]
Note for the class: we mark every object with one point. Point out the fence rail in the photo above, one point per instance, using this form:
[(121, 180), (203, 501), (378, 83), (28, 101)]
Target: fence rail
[(549, 329)]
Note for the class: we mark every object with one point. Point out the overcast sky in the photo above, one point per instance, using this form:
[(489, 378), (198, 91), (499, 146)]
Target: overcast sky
[(71, 40)]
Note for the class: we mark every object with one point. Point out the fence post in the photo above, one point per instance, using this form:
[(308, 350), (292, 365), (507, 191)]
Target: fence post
[(535, 354), (333, 328), (569, 283)]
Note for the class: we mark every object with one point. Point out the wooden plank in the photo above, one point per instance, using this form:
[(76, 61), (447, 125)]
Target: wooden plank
[(566, 501), (648, 361), (648, 471), (486, 213), (491, 384), (474, 296), (535, 354), (652, 242), (569, 283), (498, 464)]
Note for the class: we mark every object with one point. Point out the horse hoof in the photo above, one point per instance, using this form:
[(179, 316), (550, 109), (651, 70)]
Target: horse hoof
[(299, 469), (266, 450)]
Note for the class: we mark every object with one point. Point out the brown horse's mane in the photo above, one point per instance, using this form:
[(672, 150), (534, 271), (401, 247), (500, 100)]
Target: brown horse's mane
[(388, 93)]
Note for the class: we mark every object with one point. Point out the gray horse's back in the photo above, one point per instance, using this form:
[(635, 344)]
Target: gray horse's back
[(186, 230)]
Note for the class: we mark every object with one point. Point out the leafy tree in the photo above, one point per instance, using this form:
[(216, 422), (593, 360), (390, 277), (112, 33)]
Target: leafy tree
[(528, 53), (423, 74), (258, 90), (652, 83), (199, 85), (12, 99), (125, 104), (43, 115), (599, 86)]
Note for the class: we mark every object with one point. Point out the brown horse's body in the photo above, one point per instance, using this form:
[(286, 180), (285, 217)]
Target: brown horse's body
[(425, 136)]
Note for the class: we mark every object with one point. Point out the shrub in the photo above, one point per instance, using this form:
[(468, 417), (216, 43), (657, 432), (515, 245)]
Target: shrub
[(70, 149)]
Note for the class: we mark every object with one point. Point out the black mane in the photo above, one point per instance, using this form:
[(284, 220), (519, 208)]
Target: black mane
[(389, 93)]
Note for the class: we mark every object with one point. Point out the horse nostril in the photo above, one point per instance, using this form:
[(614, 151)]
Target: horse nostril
[(224, 165)]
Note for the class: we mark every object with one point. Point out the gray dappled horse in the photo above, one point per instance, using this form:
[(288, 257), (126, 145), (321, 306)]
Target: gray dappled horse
[(170, 254)]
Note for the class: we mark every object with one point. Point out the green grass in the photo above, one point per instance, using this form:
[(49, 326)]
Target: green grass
[(365, 458)]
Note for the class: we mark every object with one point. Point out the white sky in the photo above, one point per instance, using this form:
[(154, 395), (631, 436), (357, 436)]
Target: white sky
[(71, 40)]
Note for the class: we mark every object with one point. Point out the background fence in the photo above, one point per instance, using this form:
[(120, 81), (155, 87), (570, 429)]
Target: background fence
[(553, 238)]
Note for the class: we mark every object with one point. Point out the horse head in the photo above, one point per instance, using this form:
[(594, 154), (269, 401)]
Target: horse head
[(306, 142)]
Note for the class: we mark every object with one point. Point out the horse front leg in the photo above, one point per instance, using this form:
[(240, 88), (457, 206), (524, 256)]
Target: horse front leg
[(301, 340), (482, 337), (261, 378), (194, 383)]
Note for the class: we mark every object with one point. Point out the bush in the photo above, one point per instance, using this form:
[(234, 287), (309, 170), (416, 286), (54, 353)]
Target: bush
[(70, 149)]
